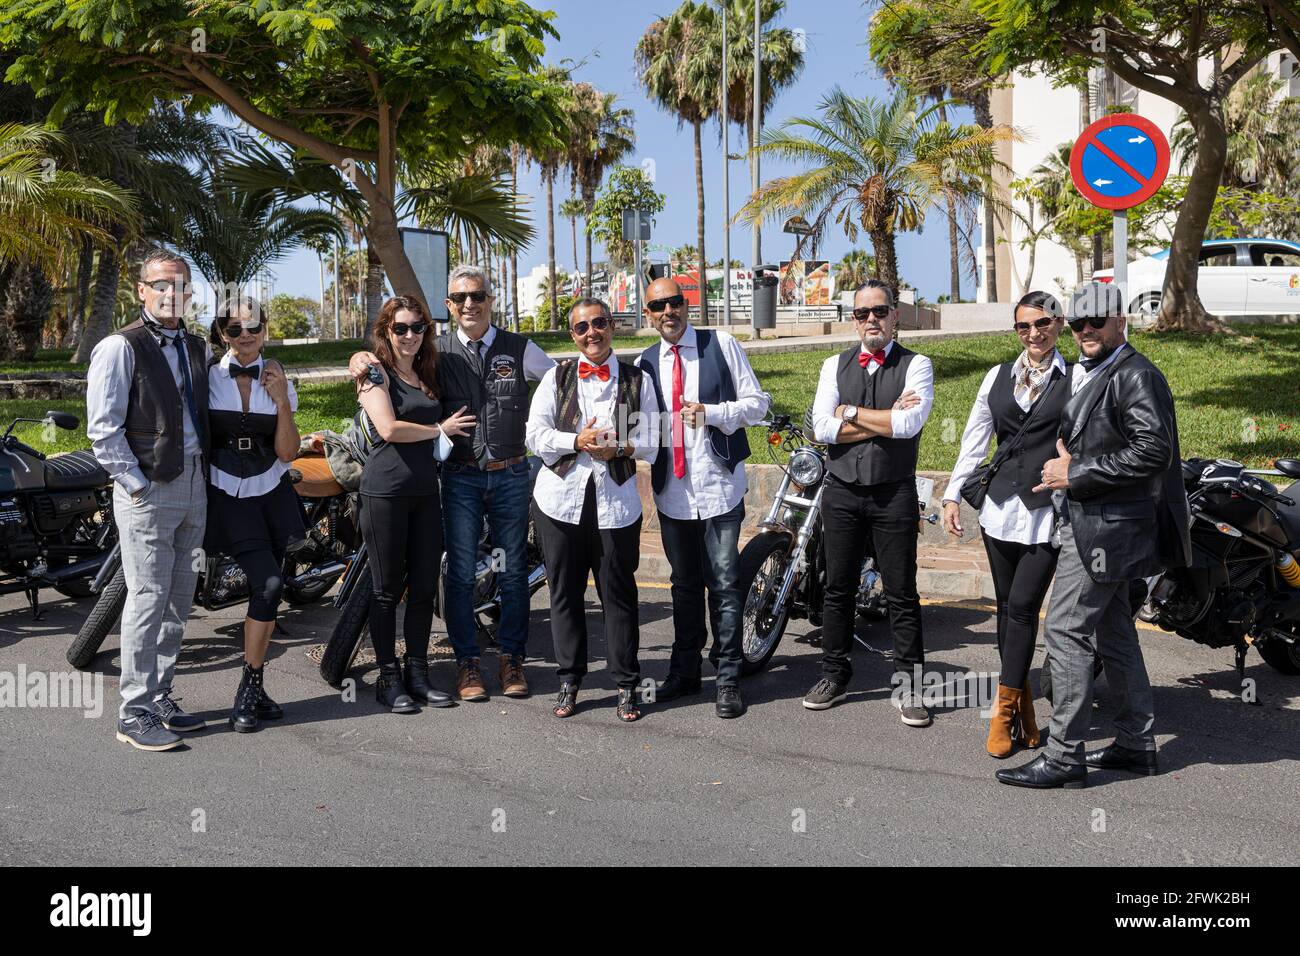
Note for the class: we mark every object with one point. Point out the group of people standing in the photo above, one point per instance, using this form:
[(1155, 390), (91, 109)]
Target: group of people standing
[(1083, 488)]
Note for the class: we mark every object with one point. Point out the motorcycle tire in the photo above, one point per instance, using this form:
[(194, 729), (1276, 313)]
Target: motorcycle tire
[(756, 554), (102, 619), (349, 631), (1281, 656)]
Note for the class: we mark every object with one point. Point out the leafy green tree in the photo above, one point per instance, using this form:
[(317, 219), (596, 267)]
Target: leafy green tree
[(292, 316), (628, 187)]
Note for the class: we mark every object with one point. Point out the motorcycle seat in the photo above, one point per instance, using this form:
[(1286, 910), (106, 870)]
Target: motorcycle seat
[(73, 471), (317, 480)]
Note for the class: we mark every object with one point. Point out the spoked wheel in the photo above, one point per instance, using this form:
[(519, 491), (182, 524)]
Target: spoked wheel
[(762, 567)]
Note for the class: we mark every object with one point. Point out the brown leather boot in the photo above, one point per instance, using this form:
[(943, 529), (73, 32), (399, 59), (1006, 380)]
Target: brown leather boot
[(1004, 714), (513, 682), (1028, 722), (469, 680)]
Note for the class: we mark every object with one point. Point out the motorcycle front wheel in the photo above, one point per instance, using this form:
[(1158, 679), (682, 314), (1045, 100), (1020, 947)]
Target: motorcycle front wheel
[(102, 619), (762, 567), (349, 631)]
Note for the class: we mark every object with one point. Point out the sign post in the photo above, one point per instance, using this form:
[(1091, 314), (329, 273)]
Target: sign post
[(1119, 162), (636, 229)]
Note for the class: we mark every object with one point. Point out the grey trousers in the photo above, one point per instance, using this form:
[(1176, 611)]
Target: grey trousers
[(1086, 618), (162, 553)]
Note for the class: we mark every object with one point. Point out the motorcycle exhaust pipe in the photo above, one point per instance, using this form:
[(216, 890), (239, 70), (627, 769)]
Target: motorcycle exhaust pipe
[(334, 568), (79, 570)]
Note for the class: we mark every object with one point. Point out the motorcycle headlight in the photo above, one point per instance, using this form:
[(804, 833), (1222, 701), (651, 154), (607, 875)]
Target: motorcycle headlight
[(806, 467)]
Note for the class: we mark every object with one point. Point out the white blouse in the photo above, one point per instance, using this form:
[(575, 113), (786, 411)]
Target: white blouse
[(223, 395)]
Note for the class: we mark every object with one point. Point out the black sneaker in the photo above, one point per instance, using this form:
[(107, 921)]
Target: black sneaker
[(825, 694), (914, 713), (146, 732), (175, 719)]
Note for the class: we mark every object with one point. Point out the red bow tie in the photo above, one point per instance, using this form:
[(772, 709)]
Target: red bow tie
[(586, 370), (864, 358)]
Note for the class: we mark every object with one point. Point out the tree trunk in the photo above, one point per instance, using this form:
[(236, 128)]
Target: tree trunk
[(699, 228), (81, 296), (1180, 304), (100, 321), (954, 260), (550, 247), (29, 296), (984, 119), (882, 242), (588, 201), (374, 288)]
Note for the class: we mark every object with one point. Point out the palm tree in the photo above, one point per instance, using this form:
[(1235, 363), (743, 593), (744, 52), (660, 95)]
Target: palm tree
[(875, 165), (549, 158), (571, 209), (854, 269), (675, 63), (601, 137)]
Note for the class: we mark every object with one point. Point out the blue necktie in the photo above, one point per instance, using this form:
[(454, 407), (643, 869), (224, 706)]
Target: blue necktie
[(183, 360)]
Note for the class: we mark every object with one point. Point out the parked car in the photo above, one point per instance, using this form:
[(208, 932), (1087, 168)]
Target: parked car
[(1235, 277)]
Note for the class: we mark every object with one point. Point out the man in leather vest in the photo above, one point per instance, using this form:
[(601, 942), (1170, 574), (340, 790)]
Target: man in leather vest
[(146, 418), (485, 370), (705, 383), (872, 402), (1121, 515)]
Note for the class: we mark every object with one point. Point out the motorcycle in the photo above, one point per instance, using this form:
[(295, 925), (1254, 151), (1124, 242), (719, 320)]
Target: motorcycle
[(56, 516), (783, 567), (312, 564), (1242, 588), (357, 589)]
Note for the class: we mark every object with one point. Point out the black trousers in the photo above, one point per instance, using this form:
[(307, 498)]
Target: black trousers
[(886, 516), (1021, 576), (612, 556), (404, 540)]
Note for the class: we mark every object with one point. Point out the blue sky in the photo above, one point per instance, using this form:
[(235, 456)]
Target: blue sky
[(603, 36)]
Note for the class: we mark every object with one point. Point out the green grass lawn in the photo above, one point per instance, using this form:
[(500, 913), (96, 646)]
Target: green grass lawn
[(1237, 396)]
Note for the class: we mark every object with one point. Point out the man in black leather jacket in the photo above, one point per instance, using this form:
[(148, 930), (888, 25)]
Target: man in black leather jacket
[(1121, 515)]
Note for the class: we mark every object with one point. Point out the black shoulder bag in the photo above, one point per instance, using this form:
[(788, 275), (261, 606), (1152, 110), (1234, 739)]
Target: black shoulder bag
[(976, 488)]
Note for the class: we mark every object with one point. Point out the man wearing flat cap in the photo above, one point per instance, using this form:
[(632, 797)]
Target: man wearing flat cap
[(1121, 515)]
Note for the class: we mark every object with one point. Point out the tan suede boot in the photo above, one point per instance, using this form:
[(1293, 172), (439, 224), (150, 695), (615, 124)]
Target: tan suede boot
[(1028, 722), (1004, 714)]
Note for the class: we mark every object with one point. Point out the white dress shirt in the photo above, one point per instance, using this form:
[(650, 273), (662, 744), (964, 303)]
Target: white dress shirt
[(617, 506), (223, 396), (1012, 520), (709, 487), (536, 362), (1082, 376), (108, 392), (906, 422)]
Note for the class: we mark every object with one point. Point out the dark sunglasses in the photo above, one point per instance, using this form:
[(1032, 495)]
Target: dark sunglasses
[(460, 297), (1040, 324), (1096, 321), (233, 330), (415, 328), (879, 311), (673, 301), (600, 323), (167, 285)]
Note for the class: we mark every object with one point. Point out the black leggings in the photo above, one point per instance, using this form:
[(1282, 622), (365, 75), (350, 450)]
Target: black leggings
[(404, 540), (1021, 575), (264, 569)]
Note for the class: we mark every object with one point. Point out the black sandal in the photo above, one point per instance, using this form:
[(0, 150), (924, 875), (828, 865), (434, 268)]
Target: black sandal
[(627, 708), (566, 703)]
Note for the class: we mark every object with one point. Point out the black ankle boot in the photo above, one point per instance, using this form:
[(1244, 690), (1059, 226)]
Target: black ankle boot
[(244, 718), (267, 709), (417, 683), (389, 690)]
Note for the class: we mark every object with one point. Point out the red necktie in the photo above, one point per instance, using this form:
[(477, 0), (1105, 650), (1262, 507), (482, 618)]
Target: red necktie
[(586, 370), (865, 358), (679, 427)]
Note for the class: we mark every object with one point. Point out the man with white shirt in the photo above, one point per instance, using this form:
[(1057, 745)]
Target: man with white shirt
[(147, 421), (591, 420), (704, 381), (872, 426)]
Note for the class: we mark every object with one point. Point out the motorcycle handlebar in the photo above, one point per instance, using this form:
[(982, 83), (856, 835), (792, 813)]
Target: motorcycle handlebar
[(13, 444)]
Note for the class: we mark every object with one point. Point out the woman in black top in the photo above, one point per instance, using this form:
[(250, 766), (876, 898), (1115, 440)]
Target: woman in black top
[(401, 508), (253, 511)]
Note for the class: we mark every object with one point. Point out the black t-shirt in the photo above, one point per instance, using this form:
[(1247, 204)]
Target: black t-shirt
[(404, 468)]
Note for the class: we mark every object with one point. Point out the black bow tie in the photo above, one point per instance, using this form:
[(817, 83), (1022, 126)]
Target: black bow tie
[(251, 371)]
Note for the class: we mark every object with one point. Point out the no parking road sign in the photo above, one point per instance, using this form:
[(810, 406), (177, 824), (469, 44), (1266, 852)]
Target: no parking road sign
[(1119, 161)]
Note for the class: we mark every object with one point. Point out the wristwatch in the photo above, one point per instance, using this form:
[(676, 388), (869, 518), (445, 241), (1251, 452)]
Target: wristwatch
[(850, 413), (621, 452)]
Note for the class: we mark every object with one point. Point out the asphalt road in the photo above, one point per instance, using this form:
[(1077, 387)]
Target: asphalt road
[(503, 782)]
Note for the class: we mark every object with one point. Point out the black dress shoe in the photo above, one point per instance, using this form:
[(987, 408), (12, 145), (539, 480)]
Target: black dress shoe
[(419, 687), (729, 703), (1116, 757), (1044, 773), (676, 686)]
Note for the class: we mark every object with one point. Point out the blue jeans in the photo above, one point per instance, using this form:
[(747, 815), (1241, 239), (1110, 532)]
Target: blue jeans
[(705, 553), (468, 494)]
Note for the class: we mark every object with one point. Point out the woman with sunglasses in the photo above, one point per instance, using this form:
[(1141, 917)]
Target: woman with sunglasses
[(253, 511), (401, 504), (1019, 402)]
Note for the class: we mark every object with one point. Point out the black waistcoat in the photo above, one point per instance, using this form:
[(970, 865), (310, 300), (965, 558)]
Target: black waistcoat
[(155, 412), (1019, 473), (494, 391), (875, 460)]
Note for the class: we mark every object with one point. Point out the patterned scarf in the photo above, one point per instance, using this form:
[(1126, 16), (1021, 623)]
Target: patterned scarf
[(1030, 379)]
